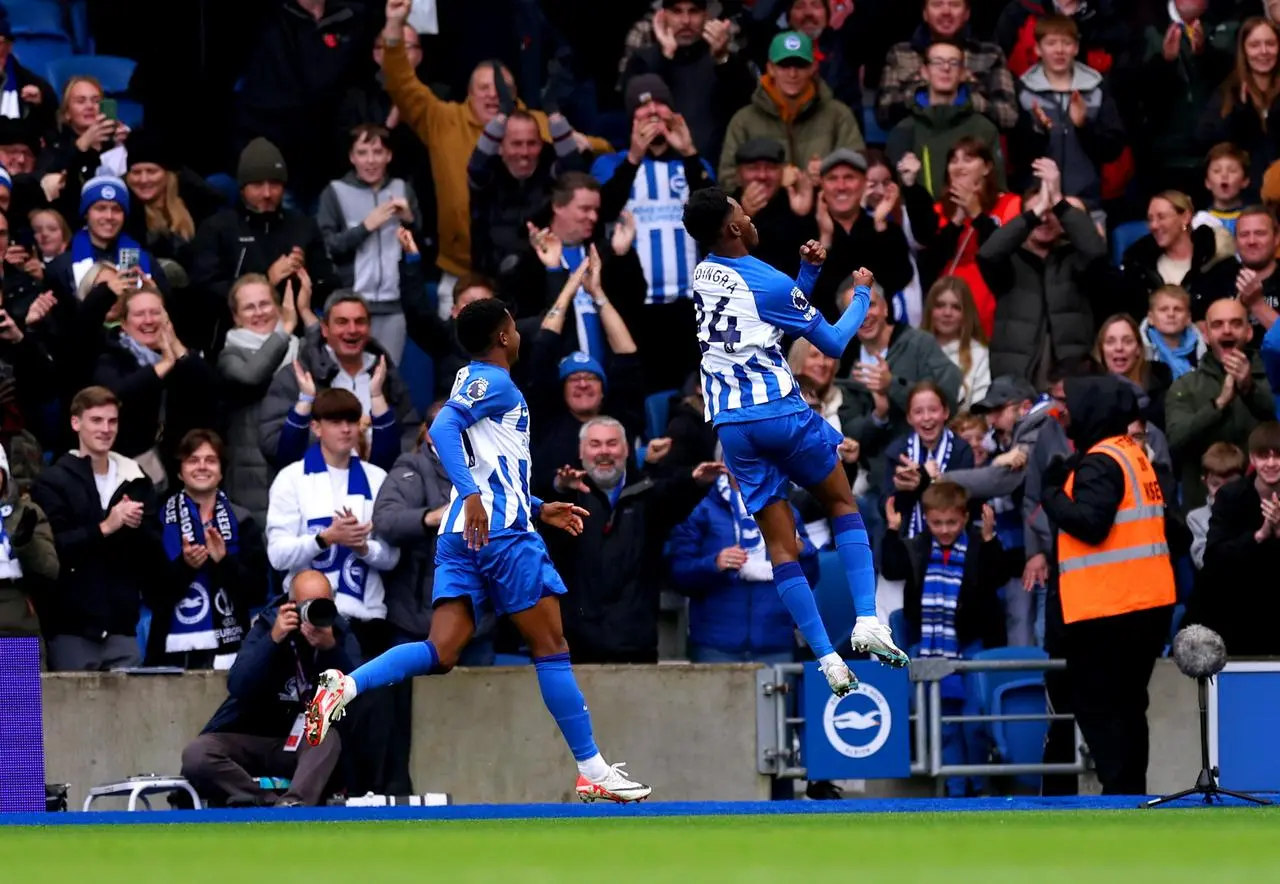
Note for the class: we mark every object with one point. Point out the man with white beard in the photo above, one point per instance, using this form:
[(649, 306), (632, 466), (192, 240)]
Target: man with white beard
[(613, 570)]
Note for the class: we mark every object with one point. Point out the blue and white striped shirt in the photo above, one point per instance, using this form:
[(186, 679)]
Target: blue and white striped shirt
[(496, 442), (744, 307)]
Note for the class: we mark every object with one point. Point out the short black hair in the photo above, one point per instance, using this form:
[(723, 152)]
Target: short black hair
[(478, 323), (568, 184), (705, 215)]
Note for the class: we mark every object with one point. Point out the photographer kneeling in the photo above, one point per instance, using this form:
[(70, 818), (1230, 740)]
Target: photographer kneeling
[(257, 731)]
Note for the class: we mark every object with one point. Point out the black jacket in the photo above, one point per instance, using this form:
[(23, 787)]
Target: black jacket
[(1100, 408), (1235, 592), (1141, 276), (154, 409), (40, 118), (782, 233), (102, 578), (239, 241), (614, 571), (265, 698), (979, 612), (884, 254)]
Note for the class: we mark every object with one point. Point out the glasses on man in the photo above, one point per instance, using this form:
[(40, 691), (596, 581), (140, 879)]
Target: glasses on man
[(946, 64)]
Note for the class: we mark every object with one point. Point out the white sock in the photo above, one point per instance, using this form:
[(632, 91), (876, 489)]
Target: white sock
[(830, 659), (348, 688), (870, 621), (594, 768)]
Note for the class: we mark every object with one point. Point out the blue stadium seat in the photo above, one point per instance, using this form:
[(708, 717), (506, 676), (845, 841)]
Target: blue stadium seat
[(1020, 742), (112, 72), (143, 631), (981, 687), (80, 35), (657, 411), (38, 51), (226, 187), (835, 603), (418, 372), (871, 131), (36, 18), (1124, 236)]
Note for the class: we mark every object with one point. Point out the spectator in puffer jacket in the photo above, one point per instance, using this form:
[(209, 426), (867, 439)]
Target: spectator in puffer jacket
[(361, 216), (718, 558), (1068, 114)]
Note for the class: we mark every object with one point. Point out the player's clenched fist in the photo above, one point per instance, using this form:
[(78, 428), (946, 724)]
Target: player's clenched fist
[(813, 253), (863, 276)]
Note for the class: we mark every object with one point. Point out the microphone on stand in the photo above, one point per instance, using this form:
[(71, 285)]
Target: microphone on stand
[(1200, 653)]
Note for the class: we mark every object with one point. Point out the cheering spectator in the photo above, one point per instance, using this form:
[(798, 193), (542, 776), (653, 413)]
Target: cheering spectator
[(641, 34), (305, 57), (912, 210), (260, 235), (952, 318), (992, 88), (854, 237), (1174, 253), (167, 203), (217, 565), (102, 509), (1167, 333), (260, 345), (691, 53), (779, 199), (338, 353), (941, 114), (1237, 111), (1249, 274), (809, 363), (953, 572), (450, 131), (970, 207), (28, 559), (1103, 36), (1119, 350), (160, 384), (19, 288), (1180, 68), (512, 173), (613, 570), (51, 233), (269, 688), (1222, 463), (718, 558), (361, 216), (1233, 594), (85, 141), (1038, 266), (837, 44), (1222, 400), (794, 106), (1226, 177), (24, 95), (435, 336), (1068, 114)]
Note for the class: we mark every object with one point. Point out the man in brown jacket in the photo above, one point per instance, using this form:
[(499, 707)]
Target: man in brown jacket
[(450, 130)]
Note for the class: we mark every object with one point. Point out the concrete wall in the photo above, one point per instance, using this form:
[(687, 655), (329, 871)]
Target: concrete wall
[(484, 736)]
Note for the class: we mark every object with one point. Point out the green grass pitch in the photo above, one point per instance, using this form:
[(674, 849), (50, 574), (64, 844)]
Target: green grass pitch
[(1166, 846)]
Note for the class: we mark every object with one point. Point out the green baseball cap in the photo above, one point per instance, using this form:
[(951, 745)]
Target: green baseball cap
[(791, 45)]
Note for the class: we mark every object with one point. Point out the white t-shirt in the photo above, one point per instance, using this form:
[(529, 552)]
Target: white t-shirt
[(107, 483)]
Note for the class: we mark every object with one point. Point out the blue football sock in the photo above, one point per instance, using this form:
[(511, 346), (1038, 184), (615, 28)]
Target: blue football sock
[(854, 547), (793, 589), (397, 664), (566, 704)]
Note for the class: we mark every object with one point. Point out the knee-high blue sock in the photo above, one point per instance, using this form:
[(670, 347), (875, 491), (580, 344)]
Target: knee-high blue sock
[(397, 664), (565, 702), (854, 547), (794, 590)]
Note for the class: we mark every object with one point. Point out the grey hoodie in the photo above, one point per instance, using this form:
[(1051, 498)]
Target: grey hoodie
[(1066, 145), (364, 261)]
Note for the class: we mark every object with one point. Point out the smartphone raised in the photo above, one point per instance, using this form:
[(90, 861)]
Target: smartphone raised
[(110, 108)]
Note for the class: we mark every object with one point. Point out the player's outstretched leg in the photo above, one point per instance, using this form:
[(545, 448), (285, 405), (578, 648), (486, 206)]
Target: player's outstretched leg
[(870, 636), (597, 780), (777, 525), (451, 628)]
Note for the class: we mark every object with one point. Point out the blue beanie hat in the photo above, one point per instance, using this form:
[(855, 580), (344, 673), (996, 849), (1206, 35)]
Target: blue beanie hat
[(104, 189), (579, 361)]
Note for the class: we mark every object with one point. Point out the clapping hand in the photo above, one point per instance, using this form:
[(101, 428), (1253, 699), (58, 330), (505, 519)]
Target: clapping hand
[(1270, 519), (909, 169), (194, 554), (875, 378), (892, 518), (624, 234), (988, 523), (215, 543), (306, 383), (378, 379), (849, 450), (40, 308), (546, 244)]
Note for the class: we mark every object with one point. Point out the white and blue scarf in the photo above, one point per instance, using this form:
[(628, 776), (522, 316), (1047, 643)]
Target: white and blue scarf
[(11, 98), (939, 599), (746, 532), (84, 255), (591, 339), (346, 572), (204, 619), (921, 455)]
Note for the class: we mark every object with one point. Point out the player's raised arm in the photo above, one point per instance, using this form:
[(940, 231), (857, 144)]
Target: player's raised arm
[(832, 339)]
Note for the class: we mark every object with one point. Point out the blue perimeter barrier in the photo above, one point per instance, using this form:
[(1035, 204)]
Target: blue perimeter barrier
[(587, 811)]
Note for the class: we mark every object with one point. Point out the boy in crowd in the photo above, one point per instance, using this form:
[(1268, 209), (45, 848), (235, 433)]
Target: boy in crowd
[(1222, 463), (1168, 334), (1226, 177), (972, 428), (953, 573), (1067, 113)]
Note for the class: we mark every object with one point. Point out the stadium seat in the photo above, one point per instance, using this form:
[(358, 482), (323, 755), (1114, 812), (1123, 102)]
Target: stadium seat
[(1020, 742), (418, 372), (1124, 236), (871, 130), (80, 35), (38, 51), (657, 411), (226, 187), (835, 603), (36, 17), (112, 72), (981, 687), (143, 631)]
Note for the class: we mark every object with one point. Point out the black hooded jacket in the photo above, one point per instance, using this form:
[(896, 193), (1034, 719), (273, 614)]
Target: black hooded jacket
[(1100, 408)]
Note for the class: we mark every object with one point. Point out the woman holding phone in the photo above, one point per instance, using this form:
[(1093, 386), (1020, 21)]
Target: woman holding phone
[(87, 133)]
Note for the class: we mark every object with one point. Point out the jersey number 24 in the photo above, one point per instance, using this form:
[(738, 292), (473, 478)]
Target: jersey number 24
[(727, 336)]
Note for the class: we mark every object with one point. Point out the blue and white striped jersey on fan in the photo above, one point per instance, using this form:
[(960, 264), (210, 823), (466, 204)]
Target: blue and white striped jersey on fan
[(667, 253), (744, 307), (497, 448)]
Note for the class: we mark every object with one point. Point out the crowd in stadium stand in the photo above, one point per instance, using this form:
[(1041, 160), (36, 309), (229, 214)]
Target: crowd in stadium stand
[(1049, 194)]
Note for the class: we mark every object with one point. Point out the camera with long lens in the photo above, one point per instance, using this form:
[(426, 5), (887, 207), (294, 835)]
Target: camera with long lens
[(320, 613)]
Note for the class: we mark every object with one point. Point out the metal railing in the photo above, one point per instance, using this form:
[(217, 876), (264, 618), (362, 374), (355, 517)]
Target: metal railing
[(778, 742)]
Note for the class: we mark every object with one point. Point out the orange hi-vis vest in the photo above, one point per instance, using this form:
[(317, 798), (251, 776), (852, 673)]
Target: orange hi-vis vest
[(1130, 569)]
